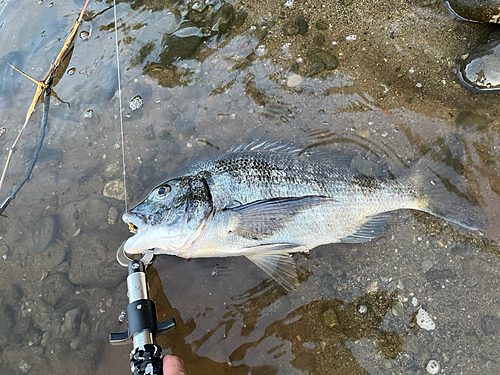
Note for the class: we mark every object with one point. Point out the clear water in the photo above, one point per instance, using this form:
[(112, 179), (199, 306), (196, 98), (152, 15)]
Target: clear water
[(197, 78)]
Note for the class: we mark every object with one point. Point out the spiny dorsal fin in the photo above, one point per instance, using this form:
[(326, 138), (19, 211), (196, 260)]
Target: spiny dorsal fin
[(268, 145)]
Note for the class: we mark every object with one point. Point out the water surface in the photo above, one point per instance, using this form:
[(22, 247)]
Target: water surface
[(198, 77)]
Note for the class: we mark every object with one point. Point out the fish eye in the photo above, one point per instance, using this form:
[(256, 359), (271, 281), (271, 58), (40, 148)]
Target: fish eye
[(162, 191)]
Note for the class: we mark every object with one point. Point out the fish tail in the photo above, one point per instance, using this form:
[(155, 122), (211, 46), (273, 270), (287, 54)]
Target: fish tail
[(439, 196)]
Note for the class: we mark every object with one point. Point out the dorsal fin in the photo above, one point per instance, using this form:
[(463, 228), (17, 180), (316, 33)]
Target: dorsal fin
[(266, 145)]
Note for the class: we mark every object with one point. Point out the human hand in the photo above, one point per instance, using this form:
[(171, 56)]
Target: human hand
[(173, 365)]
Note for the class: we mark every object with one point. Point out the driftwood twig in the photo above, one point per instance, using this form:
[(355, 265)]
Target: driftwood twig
[(45, 87)]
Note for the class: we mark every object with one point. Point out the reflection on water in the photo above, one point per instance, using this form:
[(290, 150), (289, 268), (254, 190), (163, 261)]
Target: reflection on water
[(316, 331), (210, 74)]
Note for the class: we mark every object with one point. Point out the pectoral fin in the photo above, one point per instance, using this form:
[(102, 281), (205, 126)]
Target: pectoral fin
[(278, 264), (260, 219)]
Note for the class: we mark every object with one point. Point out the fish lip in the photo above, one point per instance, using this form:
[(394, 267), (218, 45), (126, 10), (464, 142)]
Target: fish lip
[(139, 221)]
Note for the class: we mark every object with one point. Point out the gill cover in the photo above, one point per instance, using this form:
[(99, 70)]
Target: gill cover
[(172, 217)]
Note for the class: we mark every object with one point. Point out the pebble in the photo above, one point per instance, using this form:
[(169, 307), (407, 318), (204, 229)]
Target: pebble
[(289, 29), (480, 71), (470, 283), (294, 80), (471, 122), (44, 233), (55, 288), (322, 25), (398, 310), (479, 11), (432, 367), (112, 215), (96, 213), (302, 24), (426, 266), (114, 189), (424, 321), (329, 61), (373, 287), (136, 102), (330, 318)]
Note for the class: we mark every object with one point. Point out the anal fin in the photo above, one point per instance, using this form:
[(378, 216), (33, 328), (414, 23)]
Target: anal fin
[(373, 228), (278, 263)]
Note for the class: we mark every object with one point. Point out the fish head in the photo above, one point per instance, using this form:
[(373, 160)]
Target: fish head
[(172, 217)]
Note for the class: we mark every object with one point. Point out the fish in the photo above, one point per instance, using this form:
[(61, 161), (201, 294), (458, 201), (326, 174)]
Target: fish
[(266, 200)]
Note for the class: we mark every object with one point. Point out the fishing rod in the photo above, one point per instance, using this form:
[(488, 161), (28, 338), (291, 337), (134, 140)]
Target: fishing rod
[(142, 325)]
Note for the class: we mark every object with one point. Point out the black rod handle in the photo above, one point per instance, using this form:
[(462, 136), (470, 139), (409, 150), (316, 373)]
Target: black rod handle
[(147, 360)]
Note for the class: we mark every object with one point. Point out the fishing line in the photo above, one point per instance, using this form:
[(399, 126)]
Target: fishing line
[(120, 105)]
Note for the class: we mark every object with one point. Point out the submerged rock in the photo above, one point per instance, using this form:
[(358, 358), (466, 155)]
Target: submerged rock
[(44, 233), (476, 10), (480, 71), (56, 288)]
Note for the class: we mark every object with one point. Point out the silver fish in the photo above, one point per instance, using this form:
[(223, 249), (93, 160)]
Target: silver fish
[(266, 200)]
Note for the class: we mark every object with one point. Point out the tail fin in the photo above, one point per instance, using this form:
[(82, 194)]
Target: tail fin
[(440, 197)]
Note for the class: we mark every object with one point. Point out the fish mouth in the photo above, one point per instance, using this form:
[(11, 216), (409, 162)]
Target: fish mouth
[(136, 222)]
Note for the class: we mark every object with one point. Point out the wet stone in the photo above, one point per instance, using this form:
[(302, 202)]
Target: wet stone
[(96, 212), (7, 323), (302, 24), (322, 25), (472, 122), (44, 233), (114, 189), (398, 310), (242, 101), (294, 80), (390, 344), (55, 288), (426, 266), (330, 318), (92, 263), (63, 267), (150, 133), (112, 171), (112, 215), (136, 102), (470, 283), (472, 337), (436, 275), (17, 292), (477, 10), (316, 67), (432, 367), (480, 71), (71, 323), (490, 325), (23, 325), (329, 61), (319, 39), (289, 29), (187, 128)]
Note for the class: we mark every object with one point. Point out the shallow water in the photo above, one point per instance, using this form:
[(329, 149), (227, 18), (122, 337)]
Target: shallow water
[(208, 77)]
